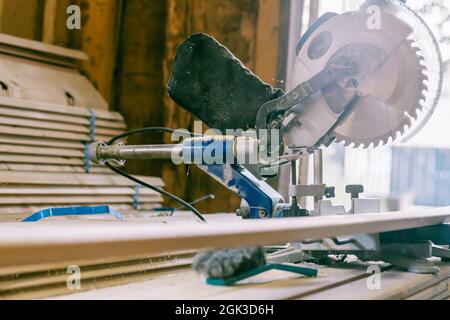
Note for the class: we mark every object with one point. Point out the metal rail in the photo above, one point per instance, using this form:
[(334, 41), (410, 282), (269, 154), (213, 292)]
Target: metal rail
[(143, 152)]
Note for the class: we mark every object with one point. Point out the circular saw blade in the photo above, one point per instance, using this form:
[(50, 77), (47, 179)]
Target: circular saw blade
[(391, 90), (388, 101)]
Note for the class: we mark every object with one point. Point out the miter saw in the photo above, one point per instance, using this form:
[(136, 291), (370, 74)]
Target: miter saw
[(356, 80)]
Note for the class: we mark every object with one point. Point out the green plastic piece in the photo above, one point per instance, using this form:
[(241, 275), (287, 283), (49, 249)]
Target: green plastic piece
[(309, 272)]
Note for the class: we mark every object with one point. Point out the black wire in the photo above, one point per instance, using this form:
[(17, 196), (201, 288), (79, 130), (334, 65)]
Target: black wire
[(136, 180), (159, 190)]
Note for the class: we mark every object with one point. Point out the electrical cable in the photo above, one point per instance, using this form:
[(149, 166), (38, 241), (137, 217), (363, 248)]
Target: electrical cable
[(136, 180)]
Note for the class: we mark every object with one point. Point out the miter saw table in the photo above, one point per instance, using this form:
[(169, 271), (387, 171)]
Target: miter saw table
[(354, 83)]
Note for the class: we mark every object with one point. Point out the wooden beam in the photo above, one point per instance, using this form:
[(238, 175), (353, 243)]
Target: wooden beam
[(267, 41), (48, 30), (139, 79), (44, 246), (97, 38), (22, 18)]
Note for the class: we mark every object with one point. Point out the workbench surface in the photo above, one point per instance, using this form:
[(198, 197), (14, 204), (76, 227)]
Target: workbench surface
[(344, 282), (172, 278)]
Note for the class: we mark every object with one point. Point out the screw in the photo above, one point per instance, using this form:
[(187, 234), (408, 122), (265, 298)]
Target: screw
[(263, 213)]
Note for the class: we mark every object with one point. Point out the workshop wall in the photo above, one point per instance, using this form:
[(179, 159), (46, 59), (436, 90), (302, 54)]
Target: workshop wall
[(132, 44), (249, 28)]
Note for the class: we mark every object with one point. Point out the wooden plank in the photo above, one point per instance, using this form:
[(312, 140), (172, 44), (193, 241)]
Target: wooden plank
[(183, 284), (395, 285), (443, 296), (436, 291), (42, 133), (186, 284), (283, 286), (26, 114), (16, 122), (110, 124), (31, 282), (52, 117), (16, 158), (51, 168), (30, 178), (27, 44), (116, 275), (92, 191), (72, 200), (45, 107), (274, 285), (59, 109), (22, 141), (107, 115), (103, 138), (27, 150), (27, 244)]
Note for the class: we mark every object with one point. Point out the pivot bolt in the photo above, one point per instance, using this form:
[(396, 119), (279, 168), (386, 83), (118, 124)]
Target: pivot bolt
[(330, 192)]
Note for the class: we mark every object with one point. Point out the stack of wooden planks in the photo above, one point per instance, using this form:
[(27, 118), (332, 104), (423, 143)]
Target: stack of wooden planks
[(43, 160), (49, 114)]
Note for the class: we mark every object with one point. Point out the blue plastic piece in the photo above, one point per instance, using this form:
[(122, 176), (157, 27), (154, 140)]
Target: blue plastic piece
[(309, 272), (215, 156), (87, 161), (92, 127), (73, 211), (258, 194), (136, 197)]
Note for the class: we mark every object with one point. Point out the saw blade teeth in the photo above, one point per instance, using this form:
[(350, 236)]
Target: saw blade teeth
[(423, 96), (407, 92), (417, 112)]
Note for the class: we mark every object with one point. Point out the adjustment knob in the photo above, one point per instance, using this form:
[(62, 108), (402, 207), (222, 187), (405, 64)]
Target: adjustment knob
[(354, 190), (330, 192)]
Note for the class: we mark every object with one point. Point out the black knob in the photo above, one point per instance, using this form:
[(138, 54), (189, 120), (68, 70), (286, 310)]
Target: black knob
[(330, 192), (354, 190)]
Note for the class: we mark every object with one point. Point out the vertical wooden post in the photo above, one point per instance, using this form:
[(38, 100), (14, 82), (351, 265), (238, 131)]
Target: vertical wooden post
[(21, 18), (139, 79), (48, 30), (97, 38), (267, 41)]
